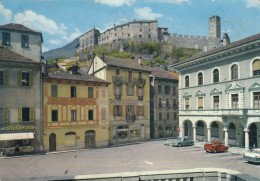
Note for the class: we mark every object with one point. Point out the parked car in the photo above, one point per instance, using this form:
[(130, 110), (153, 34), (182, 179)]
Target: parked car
[(215, 146), (185, 141), (252, 156)]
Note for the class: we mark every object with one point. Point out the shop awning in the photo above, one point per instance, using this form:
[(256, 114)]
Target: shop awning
[(16, 136)]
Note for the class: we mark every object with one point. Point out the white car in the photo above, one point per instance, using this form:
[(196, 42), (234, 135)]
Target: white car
[(252, 156)]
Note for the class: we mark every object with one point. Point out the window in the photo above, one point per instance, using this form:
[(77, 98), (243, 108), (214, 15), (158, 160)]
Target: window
[(159, 88), (141, 30), (130, 76), (167, 89), (25, 114), (73, 115), (118, 91), (256, 67), (215, 75), (117, 71), (129, 109), (200, 102), (54, 115), (1, 77), (130, 90), (149, 36), (200, 78), (256, 99), (160, 103), (25, 78), (140, 75), (140, 36), (149, 29), (174, 115), (174, 91), (25, 41), (168, 116), (117, 110), (234, 72), (215, 102), (73, 91), (234, 101), (6, 39), (54, 91), (160, 116), (140, 93), (128, 35), (90, 92), (90, 114), (187, 103), (174, 103), (167, 103), (187, 81), (1, 115), (140, 111)]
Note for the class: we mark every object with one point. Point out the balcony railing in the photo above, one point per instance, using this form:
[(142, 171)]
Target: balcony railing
[(118, 96), (140, 98), (130, 117), (118, 79), (139, 81)]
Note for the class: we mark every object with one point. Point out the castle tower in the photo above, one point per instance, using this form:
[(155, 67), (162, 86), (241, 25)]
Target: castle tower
[(214, 27)]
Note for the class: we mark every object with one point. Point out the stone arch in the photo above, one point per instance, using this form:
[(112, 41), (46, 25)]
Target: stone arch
[(90, 139), (187, 128), (70, 139), (52, 142), (253, 134), (201, 129), (216, 130)]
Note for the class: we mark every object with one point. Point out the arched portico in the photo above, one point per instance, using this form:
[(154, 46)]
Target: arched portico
[(215, 131), (187, 128), (253, 135), (201, 130)]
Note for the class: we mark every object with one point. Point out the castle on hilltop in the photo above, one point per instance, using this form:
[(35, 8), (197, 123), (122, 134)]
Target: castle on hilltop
[(143, 30)]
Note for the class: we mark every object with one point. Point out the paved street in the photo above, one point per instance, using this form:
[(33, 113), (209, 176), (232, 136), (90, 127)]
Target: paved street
[(149, 156)]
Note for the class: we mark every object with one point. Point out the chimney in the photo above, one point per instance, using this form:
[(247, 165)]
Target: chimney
[(140, 61)]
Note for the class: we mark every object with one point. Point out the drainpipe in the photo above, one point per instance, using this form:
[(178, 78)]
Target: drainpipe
[(41, 110)]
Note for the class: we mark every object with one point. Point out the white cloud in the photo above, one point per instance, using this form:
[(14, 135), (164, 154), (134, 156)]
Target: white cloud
[(227, 31), (5, 15), (73, 36), (39, 22), (45, 49), (115, 2), (170, 1), (252, 3), (146, 13), (55, 42)]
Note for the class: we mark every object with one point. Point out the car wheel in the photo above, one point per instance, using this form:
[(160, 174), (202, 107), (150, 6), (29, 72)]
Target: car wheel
[(215, 151), (179, 145), (191, 144)]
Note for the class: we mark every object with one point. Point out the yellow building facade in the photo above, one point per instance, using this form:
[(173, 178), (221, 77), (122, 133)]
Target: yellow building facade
[(129, 98), (75, 111)]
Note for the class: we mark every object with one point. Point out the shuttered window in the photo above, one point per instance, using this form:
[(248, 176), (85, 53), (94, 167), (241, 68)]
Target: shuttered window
[(25, 79), (256, 100), (200, 102), (187, 103), (25, 114), (256, 67), (234, 98)]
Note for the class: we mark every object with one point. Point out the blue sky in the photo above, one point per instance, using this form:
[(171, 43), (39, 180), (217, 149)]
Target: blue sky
[(61, 21)]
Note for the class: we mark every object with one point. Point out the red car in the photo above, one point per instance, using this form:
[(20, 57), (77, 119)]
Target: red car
[(215, 147)]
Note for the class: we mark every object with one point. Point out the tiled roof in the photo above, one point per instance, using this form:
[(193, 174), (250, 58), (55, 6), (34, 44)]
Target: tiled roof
[(161, 73), (18, 27), (82, 76), (124, 63), (8, 55), (223, 48)]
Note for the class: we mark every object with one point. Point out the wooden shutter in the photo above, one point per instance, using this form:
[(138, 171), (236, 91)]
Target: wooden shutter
[(19, 78), (200, 102), (6, 115), (20, 115), (5, 78), (31, 78), (114, 110), (143, 110), (31, 114), (187, 102), (256, 65), (121, 110)]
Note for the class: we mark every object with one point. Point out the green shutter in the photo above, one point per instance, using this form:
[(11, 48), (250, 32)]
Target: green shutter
[(31, 114), (6, 115), (19, 114), (5, 78), (31, 79), (19, 78)]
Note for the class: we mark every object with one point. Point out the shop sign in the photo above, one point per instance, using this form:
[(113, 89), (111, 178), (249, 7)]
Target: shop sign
[(17, 128)]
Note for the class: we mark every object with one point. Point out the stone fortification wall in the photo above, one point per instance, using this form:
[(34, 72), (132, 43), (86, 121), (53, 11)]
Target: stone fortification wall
[(197, 42)]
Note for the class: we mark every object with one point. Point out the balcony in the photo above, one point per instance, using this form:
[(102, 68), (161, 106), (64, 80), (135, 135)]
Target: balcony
[(140, 81), (140, 98), (118, 96), (117, 79), (130, 117), (168, 106)]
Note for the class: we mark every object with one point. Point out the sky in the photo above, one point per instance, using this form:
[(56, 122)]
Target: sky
[(61, 21)]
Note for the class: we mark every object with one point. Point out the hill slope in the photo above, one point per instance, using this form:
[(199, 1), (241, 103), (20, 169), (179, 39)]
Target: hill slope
[(66, 51)]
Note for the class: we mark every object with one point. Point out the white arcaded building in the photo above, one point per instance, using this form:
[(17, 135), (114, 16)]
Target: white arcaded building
[(219, 94)]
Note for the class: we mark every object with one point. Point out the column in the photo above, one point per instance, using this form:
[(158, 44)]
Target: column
[(194, 134), (226, 135), (189, 131), (181, 131), (209, 134), (246, 139)]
